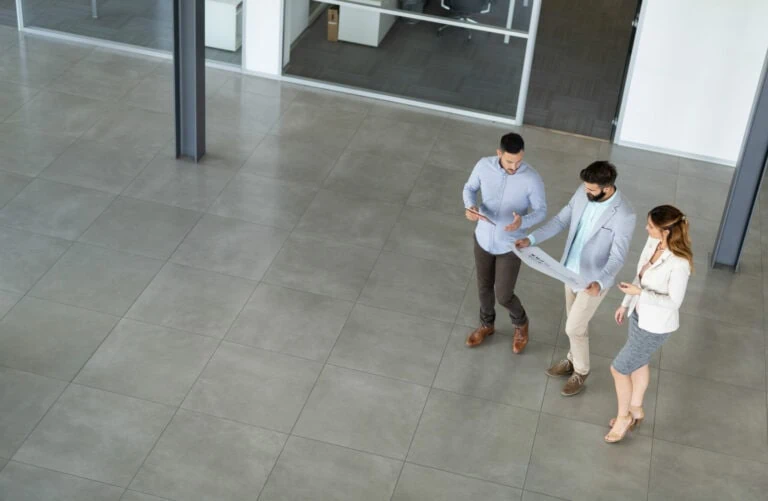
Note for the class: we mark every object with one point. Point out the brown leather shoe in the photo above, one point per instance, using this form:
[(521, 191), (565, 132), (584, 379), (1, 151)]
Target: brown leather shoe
[(563, 368), (521, 339), (478, 335), (574, 385)]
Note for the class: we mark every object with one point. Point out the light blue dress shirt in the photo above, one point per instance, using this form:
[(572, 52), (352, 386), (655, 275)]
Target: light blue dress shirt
[(589, 217), (503, 196)]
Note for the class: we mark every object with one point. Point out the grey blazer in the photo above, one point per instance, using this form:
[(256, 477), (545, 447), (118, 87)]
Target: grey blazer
[(606, 248)]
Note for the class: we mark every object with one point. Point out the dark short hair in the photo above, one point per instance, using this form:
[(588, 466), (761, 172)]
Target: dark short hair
[(512, 143), (601, 173)]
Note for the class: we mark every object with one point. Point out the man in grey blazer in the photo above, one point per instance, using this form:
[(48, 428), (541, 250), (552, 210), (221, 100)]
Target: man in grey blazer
[(600, 223)]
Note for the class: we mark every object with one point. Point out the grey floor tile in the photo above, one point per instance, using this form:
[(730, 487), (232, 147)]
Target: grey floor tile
[(96, 435), (138, 496), (13, 96), (153, 93), (28, 153), (27, 344), (244, 111), (326, 100), (254, 386), (38, 71), (374, 176), (323, 267), (29, 483), (492, 371), (717, 351), (407, 114), (560, 171), (262, 200), (231, 247), (25, 257), (432, 235), (194, 300), (543, 303), (597, 403), (418, 483), (290, 159), (55, 209), (701, 197), (24, 400), (713, 416), (416, 286), (362, 411), (261, 86), (308, 122), (149, 362), (535, 496), (180, 183), (640, 158), (99, 166), (97, 279), (291, 322), (202, 457), (7, 301), (706, 170), (146, 228), (488, 441), (459, 151), (439, 189), (349, 219), (59, 113), (570, 460), (380, 136), (685, 473), (391, 344), (318, 471), (11, 185), (724, 296), (133, 127), (104, 75), (536, 138)]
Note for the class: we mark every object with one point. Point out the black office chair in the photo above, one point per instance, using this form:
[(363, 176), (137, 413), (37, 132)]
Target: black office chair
[(463, 10)]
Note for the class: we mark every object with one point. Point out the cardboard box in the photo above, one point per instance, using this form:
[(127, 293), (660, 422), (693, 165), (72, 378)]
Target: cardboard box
[(333, 24)]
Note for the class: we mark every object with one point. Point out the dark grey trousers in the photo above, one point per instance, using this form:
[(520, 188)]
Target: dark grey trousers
[(497, 277)]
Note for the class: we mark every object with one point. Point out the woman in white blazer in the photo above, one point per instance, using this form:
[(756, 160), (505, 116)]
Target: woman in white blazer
[(652, 303)]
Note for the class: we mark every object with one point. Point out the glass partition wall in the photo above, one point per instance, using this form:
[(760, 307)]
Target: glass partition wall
[(470, 56), (143, 23)]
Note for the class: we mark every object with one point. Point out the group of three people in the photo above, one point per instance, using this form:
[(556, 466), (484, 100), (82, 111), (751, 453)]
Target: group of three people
[(600, 223)]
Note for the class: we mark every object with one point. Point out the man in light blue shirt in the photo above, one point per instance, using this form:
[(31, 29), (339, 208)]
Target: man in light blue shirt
[(601, 222), (513, 201)]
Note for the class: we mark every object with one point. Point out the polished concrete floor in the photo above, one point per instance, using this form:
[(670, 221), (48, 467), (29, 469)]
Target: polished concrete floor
[(286, 320)]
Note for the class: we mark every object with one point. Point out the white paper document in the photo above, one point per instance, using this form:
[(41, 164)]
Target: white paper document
[(544, 263)]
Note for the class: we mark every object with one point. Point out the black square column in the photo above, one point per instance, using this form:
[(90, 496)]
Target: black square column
[(189, 77), (745, 186)]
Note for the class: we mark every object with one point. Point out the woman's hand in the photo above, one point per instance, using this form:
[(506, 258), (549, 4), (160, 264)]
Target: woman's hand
[(630, 289), (620, 315)]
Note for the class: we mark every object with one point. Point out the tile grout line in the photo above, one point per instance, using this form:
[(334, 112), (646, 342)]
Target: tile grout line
[(429, 394)]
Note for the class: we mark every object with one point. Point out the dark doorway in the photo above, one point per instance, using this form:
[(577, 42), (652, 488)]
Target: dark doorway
[(578, 72)]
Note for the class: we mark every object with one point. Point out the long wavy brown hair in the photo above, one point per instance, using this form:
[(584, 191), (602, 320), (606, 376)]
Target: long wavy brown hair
[(667, 217)]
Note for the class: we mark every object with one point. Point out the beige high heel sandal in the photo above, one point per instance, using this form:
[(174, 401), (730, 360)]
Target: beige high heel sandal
[(615, 437), (636, 412)]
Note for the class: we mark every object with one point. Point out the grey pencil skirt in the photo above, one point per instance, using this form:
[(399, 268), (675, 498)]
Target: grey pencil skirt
[(639, 348)]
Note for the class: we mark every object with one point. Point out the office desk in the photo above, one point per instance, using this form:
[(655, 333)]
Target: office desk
[(364, 26)]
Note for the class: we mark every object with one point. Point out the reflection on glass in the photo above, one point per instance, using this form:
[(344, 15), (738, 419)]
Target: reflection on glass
[(427, 61), (508, 14), (145, 23)]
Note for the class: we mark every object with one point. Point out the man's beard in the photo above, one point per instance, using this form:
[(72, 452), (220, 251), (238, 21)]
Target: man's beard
[(596, 198)]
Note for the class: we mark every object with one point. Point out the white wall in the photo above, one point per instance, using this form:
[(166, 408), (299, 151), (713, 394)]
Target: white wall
[(263, 28), (695, 70)]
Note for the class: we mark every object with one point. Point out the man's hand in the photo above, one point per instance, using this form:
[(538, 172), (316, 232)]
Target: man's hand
[(516, 222), (523, 243), (473, 214), (593, 289)]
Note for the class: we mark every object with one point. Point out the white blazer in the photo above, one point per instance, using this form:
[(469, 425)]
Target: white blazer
[(664, 284)]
